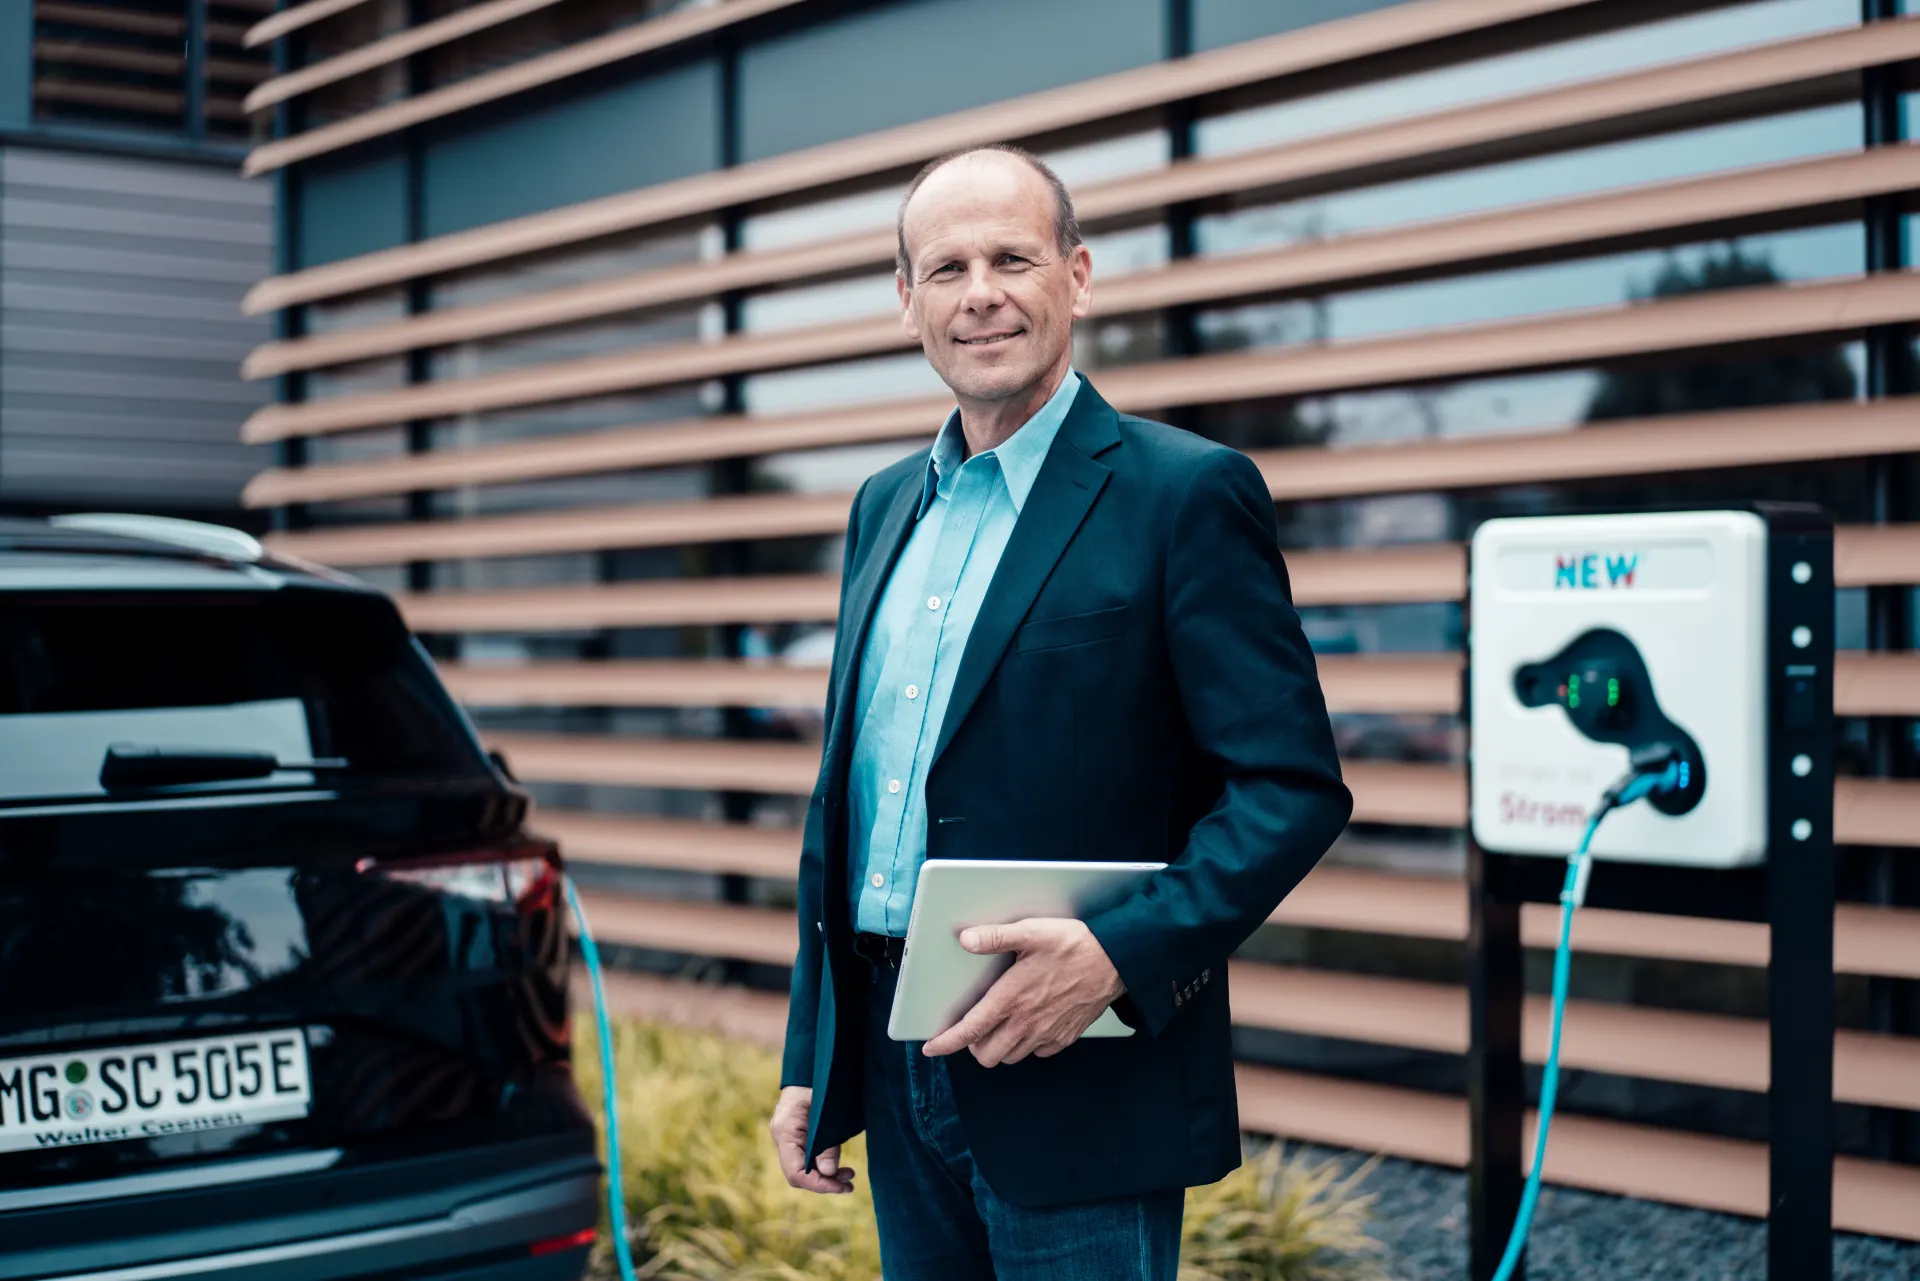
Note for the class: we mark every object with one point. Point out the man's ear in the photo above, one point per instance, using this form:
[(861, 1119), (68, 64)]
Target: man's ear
[(1080, 263), (908, 321)]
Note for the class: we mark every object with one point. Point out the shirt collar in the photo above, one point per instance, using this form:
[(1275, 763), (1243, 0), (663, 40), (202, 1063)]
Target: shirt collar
[(1019, 456)]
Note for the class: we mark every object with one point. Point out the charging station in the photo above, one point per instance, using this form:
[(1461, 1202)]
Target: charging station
[(1698, 645)]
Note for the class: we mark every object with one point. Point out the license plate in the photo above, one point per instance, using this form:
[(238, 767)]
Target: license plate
[(69, 1098)]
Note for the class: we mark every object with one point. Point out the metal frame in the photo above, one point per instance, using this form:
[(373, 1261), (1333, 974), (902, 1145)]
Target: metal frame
[(1793, 893)]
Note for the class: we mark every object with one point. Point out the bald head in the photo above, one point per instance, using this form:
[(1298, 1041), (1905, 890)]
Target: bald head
[(973, 163)]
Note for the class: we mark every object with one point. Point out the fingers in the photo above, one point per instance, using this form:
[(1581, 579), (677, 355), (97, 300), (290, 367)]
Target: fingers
[(828, 1175), (789, 1130), (1015, 936), (988, 1014)]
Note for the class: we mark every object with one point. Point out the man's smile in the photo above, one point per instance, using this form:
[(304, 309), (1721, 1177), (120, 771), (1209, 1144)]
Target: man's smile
[(988, 340)]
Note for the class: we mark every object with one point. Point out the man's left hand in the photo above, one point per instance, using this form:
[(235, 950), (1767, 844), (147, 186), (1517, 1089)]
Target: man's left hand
[(1060, 982)]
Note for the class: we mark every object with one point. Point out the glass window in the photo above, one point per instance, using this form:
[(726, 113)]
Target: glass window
[(890, 65), (1768, 140), (593, 142), (298, 673), (1613, 52), (1806, 254), (1225, 22)]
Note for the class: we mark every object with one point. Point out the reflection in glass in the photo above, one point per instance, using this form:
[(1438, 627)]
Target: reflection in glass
[(1806, 254), (1610, 53), (1666, 157)]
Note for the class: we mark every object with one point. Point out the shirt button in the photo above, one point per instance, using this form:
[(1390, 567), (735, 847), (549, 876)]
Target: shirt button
[(913, 691), (893, 785), (878, 880), (933, 602)]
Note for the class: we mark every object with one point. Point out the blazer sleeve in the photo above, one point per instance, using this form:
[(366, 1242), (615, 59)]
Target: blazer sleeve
[(1253, 705), (803, 997)]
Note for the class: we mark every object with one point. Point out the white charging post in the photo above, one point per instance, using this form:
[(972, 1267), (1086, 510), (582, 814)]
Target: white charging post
[(1709, 634)]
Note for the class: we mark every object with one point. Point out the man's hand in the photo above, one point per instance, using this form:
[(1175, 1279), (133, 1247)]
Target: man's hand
[(789, 1126), (1058, 985)]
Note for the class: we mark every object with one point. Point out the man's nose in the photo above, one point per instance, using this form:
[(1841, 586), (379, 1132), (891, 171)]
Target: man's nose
[(983, 291)]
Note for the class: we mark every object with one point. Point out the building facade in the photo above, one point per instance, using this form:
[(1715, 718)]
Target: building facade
[(127, 237), (586, 335)]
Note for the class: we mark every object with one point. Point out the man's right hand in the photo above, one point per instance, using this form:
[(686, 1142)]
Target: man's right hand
[(789, 1127)]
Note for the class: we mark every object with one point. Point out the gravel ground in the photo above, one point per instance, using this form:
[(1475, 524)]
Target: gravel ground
[(1420, 1215)]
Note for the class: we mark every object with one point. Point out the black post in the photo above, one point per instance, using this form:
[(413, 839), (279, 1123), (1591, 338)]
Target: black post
[(1800, 903), (1496, 1074), (1893, 1005), (195, 62), (732, 475)]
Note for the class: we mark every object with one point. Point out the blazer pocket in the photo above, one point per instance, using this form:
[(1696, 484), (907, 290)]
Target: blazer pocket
[(1072, 629)]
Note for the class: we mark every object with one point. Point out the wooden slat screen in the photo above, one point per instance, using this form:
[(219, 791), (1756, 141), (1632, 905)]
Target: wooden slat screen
[(1405, 27), (119, 66), (577, 710)]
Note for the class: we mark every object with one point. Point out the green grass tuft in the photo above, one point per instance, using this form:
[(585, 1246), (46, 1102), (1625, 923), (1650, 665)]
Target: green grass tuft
[(706, 1200)]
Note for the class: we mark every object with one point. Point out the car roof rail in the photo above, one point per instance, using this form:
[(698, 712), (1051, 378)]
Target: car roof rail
[(193, 535)]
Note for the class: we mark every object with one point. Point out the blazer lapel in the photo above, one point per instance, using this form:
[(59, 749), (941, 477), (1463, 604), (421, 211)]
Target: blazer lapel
[(1061, 496), (863, 598)]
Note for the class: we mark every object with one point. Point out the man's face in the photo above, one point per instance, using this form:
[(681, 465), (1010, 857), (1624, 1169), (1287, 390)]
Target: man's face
[(990, 297)]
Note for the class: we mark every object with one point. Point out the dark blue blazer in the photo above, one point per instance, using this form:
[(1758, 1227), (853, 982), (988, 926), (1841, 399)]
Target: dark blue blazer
[(1136, 686)]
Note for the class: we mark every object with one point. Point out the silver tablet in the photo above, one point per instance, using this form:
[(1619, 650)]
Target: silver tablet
[(940, 980)]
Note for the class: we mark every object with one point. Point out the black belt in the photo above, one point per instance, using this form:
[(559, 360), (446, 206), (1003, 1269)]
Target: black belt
[(879, 949)]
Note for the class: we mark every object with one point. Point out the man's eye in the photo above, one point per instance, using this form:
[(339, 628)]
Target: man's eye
[(1014, 260), (946, 267)]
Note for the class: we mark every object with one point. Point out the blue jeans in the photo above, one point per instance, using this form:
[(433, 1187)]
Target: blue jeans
[(938, 1219)]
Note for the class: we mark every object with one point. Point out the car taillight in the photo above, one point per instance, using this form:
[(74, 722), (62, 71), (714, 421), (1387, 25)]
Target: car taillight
[(526, 876), (554, 1245)]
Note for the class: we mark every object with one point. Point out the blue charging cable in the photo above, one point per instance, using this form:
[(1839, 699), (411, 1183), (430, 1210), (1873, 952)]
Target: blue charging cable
[(1646, 779), (616, 1195)]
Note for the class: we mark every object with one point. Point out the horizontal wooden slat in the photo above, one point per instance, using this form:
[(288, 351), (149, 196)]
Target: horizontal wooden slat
[(637, 683), (390, 49), (102, 17), (1236, 67), (1373, 683), (658, 444), (1420, 795), (1665, 329), (1662, 1045), (537, 533), (294, 17), (764, 934), (682, 845), (758, 1018), (85, 53), (696, 763), (1867, 940), (1865, 684), (763, 598), (1777, 195), (1654, 446), (1866, 811)]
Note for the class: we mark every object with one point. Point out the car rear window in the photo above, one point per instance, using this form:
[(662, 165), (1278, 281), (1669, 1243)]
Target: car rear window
[(306, 674)]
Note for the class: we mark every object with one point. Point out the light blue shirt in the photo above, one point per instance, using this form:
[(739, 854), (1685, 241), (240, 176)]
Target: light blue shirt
[(967, 513)]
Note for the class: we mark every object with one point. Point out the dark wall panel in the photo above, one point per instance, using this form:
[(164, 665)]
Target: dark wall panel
[(1224, 22), (905, 62), (348, 208), (121, 334), (613, 139)]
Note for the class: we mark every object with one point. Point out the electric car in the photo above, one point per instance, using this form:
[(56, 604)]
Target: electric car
[(282, 975)]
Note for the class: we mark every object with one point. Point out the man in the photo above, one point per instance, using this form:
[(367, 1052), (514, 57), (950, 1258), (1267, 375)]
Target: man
[(1063, 633)]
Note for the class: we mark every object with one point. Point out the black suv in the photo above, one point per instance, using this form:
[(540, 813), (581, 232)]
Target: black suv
[(282, 977)]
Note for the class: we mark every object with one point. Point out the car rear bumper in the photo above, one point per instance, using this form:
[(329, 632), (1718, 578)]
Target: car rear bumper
[(478, 1232)]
